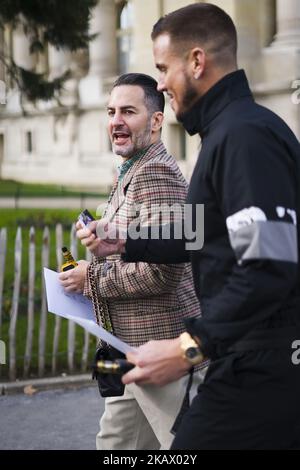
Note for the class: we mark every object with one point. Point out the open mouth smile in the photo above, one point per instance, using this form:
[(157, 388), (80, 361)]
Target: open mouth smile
[(120, 137)]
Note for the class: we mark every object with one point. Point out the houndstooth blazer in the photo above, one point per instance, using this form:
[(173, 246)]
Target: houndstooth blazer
[(145, 301)]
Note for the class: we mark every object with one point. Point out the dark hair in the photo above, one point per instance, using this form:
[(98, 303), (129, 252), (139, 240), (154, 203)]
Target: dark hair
[(154, 99), (201, 24)]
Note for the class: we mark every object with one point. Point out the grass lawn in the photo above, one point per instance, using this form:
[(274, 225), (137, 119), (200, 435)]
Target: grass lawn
[(10, 188), (12, 218)]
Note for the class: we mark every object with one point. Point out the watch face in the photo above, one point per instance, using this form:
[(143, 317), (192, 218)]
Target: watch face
[(191, 353)]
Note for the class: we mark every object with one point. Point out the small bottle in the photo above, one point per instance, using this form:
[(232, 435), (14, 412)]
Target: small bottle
[(118, 366), (69, 261)]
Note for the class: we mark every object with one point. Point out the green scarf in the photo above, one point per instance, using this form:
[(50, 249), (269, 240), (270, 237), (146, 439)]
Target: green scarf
[(125, 166)]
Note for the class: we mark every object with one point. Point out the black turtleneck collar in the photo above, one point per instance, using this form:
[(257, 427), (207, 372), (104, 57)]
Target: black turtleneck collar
[(229, 88)]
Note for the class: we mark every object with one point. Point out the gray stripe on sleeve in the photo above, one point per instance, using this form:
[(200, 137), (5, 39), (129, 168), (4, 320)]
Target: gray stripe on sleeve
[(266, 240)]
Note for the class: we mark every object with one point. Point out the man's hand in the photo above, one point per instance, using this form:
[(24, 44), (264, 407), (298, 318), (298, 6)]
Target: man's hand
[(157, 362), (73, 280), (101, 237)]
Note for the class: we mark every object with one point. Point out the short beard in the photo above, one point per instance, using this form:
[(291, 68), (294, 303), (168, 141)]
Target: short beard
[(143, 140), (190, 97)]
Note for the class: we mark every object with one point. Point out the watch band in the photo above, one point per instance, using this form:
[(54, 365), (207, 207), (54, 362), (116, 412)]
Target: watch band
[(190, 349)]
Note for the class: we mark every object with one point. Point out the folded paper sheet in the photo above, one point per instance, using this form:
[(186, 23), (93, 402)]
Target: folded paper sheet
[(77, 308)]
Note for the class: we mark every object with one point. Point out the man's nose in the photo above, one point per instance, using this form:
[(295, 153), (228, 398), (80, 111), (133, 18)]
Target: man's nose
[(117, 119), (161, 86)]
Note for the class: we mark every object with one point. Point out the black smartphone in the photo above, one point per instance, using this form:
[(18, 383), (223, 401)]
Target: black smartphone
[(85, 217)]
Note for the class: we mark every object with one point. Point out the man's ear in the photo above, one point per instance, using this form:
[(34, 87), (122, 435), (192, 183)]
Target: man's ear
[(197, 59), (157, 121)]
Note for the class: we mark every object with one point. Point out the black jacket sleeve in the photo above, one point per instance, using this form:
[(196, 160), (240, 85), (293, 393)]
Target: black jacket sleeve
[(254, 179), (159, 251)]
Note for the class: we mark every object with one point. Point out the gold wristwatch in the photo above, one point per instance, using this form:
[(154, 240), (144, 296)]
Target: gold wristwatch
[(190, 349)]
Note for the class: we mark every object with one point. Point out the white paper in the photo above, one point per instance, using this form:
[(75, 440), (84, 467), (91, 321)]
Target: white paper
[(77, 308)]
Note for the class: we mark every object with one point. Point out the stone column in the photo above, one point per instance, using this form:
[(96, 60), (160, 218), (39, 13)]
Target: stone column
[(2, 72), (59, 61), (280, 65), (102, 53), (288, 23), (103, 48), (21, 54), (282, 58), (22, 57), (2, 81), (146, 15)]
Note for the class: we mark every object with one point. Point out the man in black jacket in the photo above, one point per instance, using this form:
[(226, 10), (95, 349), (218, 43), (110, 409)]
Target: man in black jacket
[(247, 273)]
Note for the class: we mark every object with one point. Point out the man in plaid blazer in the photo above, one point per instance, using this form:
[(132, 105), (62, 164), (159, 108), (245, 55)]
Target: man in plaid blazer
[(141, 301)]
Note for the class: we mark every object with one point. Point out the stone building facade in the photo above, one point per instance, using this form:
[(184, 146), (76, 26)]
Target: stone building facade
[(69, 145)]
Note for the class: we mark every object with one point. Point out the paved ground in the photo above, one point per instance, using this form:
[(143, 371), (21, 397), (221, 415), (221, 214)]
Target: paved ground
[(55, 419)]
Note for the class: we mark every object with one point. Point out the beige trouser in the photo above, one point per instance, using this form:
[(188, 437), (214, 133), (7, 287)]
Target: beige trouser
[(143, 417)]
